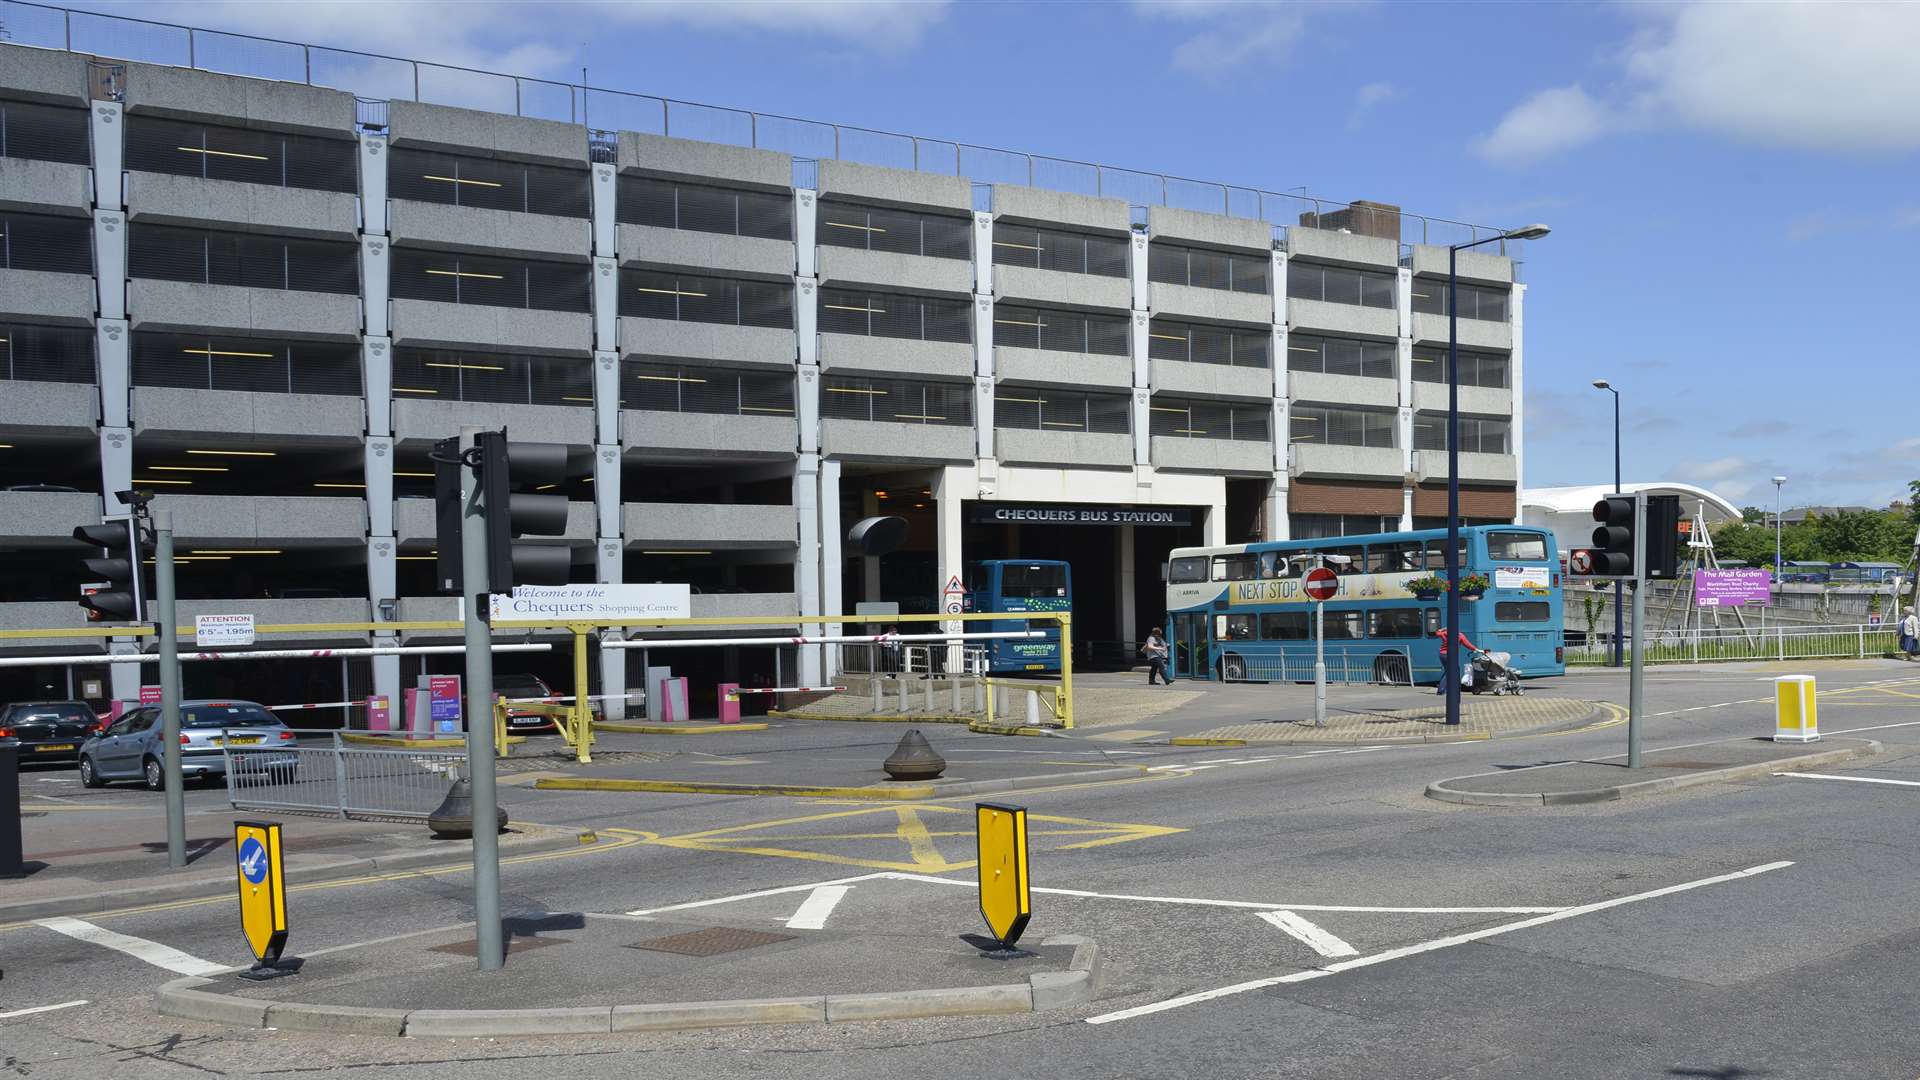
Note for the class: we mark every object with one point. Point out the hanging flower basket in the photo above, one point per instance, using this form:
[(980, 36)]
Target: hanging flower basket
[(1473, 586), (1427, 588)]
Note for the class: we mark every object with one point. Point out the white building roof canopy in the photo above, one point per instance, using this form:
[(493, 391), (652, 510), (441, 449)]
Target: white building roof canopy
[(1580, 499)]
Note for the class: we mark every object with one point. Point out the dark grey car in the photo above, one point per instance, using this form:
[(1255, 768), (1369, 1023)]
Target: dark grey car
[(47, 730), (130, 748)]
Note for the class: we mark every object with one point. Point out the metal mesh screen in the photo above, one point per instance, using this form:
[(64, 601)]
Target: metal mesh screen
[(57, 245), (472, 279), (43, 133), (212, 152), (897, 401), (46, 353), (902, 232), (204, 257), (230, 363), (1052, 409), (488, 183), (917, 318), (649, 294)]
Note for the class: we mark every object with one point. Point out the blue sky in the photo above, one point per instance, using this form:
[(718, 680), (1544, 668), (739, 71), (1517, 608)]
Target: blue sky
[(1731, 186)]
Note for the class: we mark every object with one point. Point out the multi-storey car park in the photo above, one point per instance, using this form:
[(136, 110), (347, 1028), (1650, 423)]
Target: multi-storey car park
[(264, 300)]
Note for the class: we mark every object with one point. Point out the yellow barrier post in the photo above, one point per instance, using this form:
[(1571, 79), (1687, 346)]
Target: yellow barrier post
[(1065, 696), (1796, 711), (263, 896), (582, 708), (1006, 901), (500, 725)]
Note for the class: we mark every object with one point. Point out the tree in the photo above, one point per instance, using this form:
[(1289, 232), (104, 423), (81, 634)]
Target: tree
[(1752, 515), (1874, 535), (1743, 542), (1913, 503)]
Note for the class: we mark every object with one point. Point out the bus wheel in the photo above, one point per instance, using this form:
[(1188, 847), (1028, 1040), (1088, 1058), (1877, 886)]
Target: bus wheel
[(1234, 669), (1391, 669)]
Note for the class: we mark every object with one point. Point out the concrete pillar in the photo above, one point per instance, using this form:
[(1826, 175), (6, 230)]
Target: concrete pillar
[(606, 491), (1138, 347), (113, 346), (606, 304), (375, 273), (1217, 523), (949, 489), (110, 263), (806, 407), (124, 679), (1516, 370), (605, 228), (606, 397), (1403, 380), (373, 184), (1279, 525), (804, 228), (386, 679), (806, 558), (1127, 581), (869, 566), (609, 568), (116, 468), (832, 532), (383, 573), (378, 466), (376, 382), (107, 120)]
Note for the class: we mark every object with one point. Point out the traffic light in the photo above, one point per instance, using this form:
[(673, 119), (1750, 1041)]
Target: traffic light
[(117, 598), (514, 475), (1663, 537), (511, 476), (1612, 552)]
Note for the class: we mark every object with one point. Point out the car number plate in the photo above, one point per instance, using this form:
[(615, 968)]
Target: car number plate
[(55, 748), (239, 740)]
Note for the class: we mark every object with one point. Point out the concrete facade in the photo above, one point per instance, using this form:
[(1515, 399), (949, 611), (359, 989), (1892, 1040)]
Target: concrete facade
[(816, 462)]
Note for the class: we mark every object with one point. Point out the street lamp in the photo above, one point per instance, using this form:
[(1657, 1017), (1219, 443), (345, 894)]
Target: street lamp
[(1778, 482), (1452, 677), (1619, 589)]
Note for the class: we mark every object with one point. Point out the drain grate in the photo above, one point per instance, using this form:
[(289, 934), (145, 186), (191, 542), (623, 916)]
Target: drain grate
[(710, 942)]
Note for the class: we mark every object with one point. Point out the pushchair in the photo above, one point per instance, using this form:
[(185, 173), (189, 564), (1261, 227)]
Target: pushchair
[(1492, 671)]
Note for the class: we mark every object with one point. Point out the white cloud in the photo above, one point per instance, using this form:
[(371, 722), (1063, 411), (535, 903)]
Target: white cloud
[(1545, 124), (524, 37), (1369, 97), (1811, 76), (1731, 478), (1236, 33)]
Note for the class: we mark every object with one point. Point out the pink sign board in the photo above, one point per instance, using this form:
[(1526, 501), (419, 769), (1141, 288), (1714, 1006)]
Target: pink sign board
[(379, 714), (149, 695), (1733, 588), (444, 710)]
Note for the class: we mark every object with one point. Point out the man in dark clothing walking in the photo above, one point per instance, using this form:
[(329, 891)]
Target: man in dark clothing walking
[(1449, 666)]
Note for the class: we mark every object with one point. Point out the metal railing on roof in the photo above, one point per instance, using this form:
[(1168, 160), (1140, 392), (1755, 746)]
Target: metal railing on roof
[(374, 76)]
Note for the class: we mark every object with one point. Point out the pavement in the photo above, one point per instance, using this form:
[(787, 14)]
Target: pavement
[(1261, 911), (1480, 718), (1563, 783), (579, 973)]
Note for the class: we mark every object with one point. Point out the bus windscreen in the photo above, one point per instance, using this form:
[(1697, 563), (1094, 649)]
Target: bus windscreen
[(1032, 581)]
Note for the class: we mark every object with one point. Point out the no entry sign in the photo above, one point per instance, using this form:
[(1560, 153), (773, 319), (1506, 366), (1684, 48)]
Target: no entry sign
[(1321, 583)]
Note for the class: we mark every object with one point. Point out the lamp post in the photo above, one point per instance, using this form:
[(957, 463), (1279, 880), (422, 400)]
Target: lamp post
[(1451, 675), (1619, 588), (1778, 483)]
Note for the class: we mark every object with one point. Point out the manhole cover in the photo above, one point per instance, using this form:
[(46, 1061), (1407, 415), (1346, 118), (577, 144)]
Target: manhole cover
[(710, 942), (514, 945)]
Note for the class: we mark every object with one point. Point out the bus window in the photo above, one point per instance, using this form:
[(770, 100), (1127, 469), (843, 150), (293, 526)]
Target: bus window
[(1283, 626), (1235, 567), (1516, 547), (1395, 623), (1437, 554), (1270, 565), (1345, 625), (1239, 628), (1357, 555), (1032, 580), (1402, 558), (1522, 611), (1188, 570)]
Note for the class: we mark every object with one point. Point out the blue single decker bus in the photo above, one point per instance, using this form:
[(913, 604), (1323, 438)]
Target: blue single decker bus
[(1019, 585), (1238, 613)]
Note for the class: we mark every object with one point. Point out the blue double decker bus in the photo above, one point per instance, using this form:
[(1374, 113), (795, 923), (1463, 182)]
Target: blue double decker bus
[(1238, 613), (1019, 585)]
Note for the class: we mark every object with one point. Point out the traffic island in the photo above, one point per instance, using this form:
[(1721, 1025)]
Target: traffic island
[(1480, 718), (1569, 783), (571, 974)]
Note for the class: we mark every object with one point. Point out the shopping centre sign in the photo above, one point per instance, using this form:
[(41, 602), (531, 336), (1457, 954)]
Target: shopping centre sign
[(594, 602)]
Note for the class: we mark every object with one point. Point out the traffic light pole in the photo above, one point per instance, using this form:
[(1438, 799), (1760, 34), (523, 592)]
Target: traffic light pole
[(1635, 676), (164, 621), (480, 748)]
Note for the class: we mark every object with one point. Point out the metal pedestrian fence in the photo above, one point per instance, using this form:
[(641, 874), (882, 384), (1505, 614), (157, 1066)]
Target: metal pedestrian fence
[(1783, 642), (1386, 669), (340, 780)]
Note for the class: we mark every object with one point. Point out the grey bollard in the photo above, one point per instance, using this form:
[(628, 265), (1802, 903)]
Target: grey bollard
[(979, 697), (1033, 708), (879, 687), (903, 693)]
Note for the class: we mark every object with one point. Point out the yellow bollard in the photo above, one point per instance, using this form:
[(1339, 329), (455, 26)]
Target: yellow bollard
[(582, 708), (1796, 709)]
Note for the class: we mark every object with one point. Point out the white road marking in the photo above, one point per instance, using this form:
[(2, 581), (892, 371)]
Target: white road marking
[(1252, 905), (160, 956), (41, 1009), (1427, 946), (809, 887), (1876, 727), (1309, 934), (1855, 779), (813, 911)]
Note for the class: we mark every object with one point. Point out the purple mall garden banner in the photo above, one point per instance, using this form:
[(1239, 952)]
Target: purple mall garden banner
[(1732, 588)]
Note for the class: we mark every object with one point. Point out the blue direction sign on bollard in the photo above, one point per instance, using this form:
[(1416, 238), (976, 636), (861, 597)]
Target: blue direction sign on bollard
[(263, 896)]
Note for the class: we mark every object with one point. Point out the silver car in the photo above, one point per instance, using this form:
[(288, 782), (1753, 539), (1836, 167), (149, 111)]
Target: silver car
[(130, 748)]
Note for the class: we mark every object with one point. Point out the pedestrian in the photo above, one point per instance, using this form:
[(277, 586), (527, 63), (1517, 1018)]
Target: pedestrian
[(1910, 635), (1155, 650), (1451, 670)]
